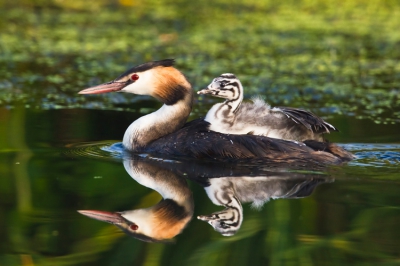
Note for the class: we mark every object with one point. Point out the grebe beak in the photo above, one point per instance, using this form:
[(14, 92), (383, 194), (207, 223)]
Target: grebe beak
[(103, 88), (108, 217)]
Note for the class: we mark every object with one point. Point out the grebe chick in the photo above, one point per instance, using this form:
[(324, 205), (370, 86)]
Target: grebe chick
[(258, 118), (165, 133)]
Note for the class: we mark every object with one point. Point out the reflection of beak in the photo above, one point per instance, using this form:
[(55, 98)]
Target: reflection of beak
[(206, 218), (103, 88), (109, 217)]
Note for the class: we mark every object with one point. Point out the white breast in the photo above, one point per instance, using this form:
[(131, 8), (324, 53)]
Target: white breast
[(248, 119)]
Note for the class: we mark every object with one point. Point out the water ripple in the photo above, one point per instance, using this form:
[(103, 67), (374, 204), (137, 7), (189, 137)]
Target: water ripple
[(105, 150), (367, 154), (371, 154)]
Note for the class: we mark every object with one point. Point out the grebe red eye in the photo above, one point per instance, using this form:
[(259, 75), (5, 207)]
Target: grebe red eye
[(135, 77), (133, 227)]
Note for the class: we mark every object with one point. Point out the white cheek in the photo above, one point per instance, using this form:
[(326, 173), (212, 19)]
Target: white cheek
[(141, 217), (143, 86)]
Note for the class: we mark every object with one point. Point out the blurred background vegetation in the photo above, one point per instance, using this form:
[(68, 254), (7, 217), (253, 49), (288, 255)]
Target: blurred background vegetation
[(330, 57), (336, 58)]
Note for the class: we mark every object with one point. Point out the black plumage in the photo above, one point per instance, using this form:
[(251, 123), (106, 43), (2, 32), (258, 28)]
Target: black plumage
[(307, 119), (194, 140)]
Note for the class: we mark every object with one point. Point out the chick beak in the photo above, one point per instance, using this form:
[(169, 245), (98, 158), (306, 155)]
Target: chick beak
[(103, 88), (206, 91), (108, 217), (206, 218)]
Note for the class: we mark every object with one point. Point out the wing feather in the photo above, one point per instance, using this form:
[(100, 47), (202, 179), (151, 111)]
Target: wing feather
[(307, 119)]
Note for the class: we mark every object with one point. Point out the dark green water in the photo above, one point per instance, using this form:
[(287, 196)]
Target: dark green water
[(57, 152), (49, 172)]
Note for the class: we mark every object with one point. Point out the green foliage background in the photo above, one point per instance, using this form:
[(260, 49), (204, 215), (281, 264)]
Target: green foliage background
[(327, 56), (331, 57)]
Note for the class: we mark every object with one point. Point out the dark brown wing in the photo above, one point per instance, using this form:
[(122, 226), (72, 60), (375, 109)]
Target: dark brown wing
[(194, 140), (307, 119)]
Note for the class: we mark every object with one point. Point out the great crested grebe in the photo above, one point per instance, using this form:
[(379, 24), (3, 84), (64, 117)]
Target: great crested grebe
[(258, 118), (164, 131)]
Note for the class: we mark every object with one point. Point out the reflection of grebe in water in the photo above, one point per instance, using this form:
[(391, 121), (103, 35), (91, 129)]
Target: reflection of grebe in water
[(230, 192), (227, 185), (162, 221)]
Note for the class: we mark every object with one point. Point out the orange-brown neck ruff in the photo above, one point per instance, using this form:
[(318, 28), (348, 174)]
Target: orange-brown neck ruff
[(169, 219), (171, 86)]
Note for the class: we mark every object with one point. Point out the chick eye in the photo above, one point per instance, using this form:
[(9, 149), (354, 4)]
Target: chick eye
[(135, 77), (133, 227), (222, 84)]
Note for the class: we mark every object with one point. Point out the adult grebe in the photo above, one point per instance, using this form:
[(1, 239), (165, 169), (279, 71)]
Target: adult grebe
[(164, 132), (258, 118)]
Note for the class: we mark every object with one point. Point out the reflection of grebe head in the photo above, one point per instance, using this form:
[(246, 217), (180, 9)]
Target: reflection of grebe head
[(158, 223), (226, 222)]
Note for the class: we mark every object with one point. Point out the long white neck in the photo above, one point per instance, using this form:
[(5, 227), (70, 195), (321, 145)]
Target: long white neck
[(168, 217), (223, 115), (237, 98), (165, 182), (167, 119), (233, 105)]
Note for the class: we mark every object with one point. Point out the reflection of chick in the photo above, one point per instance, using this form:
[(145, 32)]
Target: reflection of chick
[(162, 221), (230, 192)]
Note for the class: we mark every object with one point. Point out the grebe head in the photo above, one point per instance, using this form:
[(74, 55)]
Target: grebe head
[(226, 86), (158, 79)]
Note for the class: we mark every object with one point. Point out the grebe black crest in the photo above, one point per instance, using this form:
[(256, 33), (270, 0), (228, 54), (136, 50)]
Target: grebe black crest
[(258, 118), (164, 131)]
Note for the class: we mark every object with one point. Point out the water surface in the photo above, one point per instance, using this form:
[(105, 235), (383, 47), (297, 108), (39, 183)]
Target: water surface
[(59, 150), (59, 161)]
